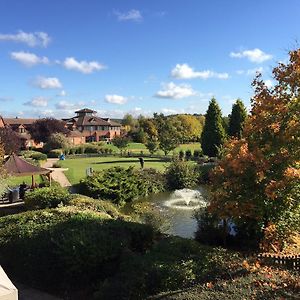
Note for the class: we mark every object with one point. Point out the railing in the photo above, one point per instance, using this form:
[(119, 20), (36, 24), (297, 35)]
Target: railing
[(288, 261)]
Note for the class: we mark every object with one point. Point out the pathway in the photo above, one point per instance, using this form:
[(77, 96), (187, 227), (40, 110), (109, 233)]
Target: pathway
[(57, 174)]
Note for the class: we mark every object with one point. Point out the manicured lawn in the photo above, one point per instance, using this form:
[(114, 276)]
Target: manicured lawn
[(138, 147), (14, 181), (77, 166)]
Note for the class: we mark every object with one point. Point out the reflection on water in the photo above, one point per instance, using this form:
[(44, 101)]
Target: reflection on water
[(178, 208)]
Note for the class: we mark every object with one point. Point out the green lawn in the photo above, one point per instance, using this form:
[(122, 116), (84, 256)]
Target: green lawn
[(138, 147), (77, 166), (14, 181)]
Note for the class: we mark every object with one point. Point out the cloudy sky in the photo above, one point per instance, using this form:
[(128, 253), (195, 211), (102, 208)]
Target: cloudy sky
[(138, 56)]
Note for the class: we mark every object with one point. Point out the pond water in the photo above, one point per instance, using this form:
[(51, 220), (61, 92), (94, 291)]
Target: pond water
[(178, 208)]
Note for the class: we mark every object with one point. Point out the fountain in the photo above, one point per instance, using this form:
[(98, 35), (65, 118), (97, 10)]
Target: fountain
[(186, 199)]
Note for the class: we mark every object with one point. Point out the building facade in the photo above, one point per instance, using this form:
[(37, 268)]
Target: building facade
[(86, 124)]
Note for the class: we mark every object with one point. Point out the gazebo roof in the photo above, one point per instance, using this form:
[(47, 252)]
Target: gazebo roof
[(17, 166)]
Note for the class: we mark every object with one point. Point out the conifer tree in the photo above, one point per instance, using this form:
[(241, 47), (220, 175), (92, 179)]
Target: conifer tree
[(213, 134), (237, 119)]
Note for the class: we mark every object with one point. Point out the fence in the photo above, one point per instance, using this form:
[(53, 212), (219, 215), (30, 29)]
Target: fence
[(288, 261)]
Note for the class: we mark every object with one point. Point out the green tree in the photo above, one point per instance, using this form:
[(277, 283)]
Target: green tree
[(121, 142), (168, 136), (152, 145), (57, 141), (213, 134), (237, 119)]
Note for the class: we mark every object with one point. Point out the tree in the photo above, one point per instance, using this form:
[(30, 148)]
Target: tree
[(57, 141), (168, 136), (42, 129), (3, 183), (213, 134), (120, 142), (189, 127), (257, 182), (10, 139), (237, 119), (152, 145), (129, 121)]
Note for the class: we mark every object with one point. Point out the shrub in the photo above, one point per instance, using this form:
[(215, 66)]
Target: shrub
[(121, 185), (91, 149), (65, 248), (47, 197), (197, 153), (39, 156), (181, 154), (55, 153), (188, 154), (180, 174)]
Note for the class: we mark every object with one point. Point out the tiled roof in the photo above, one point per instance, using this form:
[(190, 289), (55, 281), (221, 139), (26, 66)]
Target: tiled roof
[(85, 110), (18, 121)]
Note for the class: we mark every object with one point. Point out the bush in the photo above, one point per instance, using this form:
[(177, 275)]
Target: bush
[(197, 154), (55, 153), (47, 197), (39, 156), (180, 174), (188, 154), (121, 185), (91, 149), (65, 248)]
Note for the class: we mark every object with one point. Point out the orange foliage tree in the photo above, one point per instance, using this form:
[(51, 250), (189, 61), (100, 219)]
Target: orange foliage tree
[(257, 182)]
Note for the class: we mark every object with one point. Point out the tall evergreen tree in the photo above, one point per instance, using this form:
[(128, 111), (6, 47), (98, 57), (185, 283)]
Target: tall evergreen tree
[(213, 134), (237, 119)]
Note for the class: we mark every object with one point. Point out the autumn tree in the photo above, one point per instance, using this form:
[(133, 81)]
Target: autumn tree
[(10, 140), (42, 129), (257, 183), (213, 134), (237, 119)]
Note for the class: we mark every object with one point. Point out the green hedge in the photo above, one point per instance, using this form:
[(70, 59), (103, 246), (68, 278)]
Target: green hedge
[(67, 248), (46, 197)]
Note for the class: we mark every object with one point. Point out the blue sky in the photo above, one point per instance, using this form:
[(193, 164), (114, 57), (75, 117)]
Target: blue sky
[(140, 56)]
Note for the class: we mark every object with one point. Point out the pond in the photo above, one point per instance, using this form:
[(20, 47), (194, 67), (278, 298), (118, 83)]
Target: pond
[(178, 208)]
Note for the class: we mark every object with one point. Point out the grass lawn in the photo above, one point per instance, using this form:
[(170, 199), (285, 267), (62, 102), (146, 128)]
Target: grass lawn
[(138, 147), (77, 166), (14, 181)]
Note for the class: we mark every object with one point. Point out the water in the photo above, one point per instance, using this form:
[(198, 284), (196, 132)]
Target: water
[(178, 208)]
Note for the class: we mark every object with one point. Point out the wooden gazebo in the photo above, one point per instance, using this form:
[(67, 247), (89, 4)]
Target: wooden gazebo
[(17, 166)]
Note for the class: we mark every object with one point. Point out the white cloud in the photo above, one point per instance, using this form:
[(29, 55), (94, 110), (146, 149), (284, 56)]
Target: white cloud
[(184, 71), (83, 66), (32, 39), (48, 83), (131, 15), (255, 55), (115, 99), (250, 71), (173, 91), (64, 105), (28, 59), (37, 102)]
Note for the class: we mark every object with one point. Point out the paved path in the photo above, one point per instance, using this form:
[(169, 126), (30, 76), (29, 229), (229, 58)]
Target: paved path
[(57, 173)]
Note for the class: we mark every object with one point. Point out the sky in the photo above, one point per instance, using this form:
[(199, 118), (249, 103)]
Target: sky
[(138, 57)]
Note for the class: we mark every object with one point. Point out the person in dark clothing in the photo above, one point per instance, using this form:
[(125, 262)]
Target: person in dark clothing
[(141, 162)]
